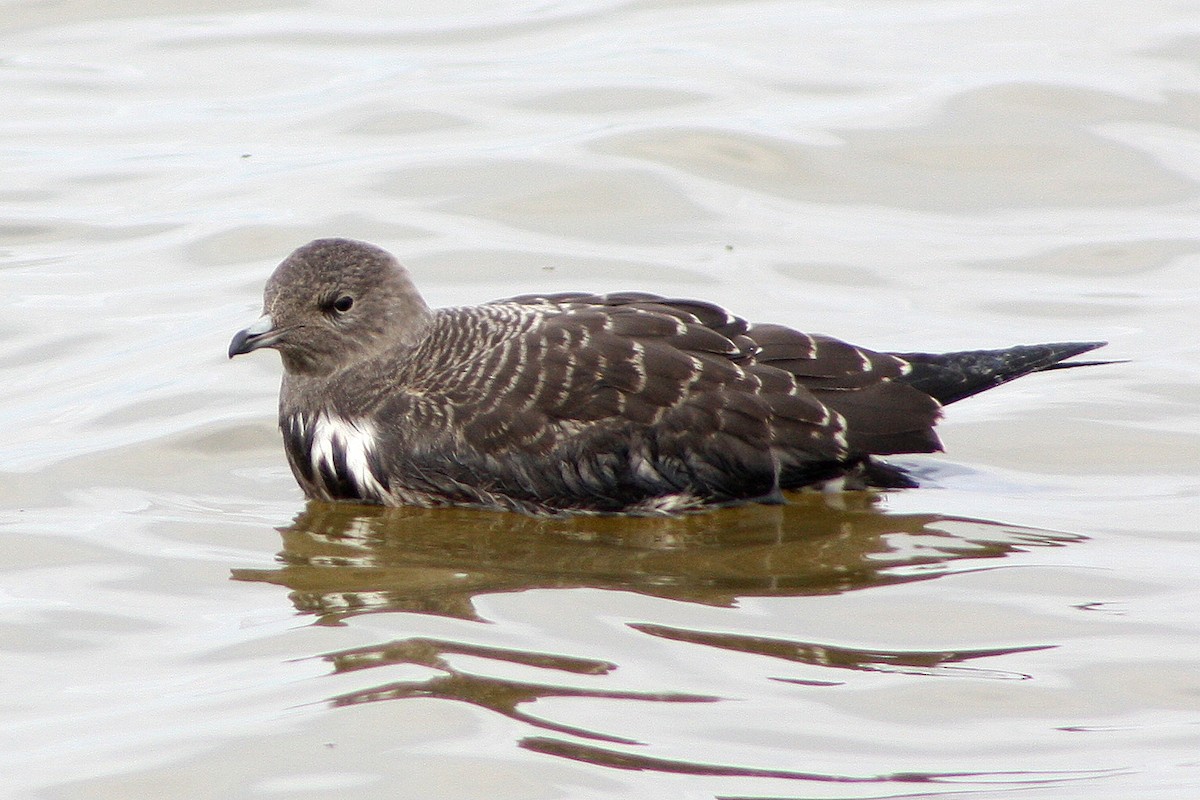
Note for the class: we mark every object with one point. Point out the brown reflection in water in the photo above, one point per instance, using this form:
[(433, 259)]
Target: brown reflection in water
[(590, 754), (909, 662), (342, 560), (495, 694), (339, 560)]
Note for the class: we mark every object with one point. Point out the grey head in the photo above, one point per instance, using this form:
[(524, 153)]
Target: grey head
[(333, 303)]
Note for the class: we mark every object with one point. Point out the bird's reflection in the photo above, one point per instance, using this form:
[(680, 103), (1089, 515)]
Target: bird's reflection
[(339, 560), (503, 696)]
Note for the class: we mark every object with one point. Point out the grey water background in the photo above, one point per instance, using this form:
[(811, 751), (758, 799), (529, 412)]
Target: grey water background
[(176, 622)]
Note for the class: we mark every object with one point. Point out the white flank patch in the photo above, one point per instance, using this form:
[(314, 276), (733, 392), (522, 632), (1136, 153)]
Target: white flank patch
[(354, 438), (831, 486), (667, 504)]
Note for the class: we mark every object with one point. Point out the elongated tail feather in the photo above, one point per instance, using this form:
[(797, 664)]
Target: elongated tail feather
[(950, 377)]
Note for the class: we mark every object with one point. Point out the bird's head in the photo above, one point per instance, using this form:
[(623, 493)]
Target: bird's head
[(333, 303)]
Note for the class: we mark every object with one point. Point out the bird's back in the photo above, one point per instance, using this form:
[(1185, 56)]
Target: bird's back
[(606, 402)]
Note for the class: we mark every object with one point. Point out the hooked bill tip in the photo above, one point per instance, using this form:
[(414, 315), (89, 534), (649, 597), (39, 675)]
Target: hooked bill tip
[(253, 337)]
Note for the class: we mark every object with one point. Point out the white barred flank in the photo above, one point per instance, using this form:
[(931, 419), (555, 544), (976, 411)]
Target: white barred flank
[(337, 441)]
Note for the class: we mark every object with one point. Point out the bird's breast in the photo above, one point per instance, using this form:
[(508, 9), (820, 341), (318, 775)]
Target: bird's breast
[(335, 457)]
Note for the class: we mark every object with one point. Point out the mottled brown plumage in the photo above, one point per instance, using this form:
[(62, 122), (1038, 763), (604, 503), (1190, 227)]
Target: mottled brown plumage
[(583, 403)]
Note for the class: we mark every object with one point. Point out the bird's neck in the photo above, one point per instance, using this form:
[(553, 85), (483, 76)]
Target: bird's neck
[(409, 318)]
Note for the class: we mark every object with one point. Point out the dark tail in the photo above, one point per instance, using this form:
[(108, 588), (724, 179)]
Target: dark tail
[(949, 377)]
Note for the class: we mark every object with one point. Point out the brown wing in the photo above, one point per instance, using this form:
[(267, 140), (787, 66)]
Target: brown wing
[(620, 397), (698, 372), (789, 370), (883, 414)]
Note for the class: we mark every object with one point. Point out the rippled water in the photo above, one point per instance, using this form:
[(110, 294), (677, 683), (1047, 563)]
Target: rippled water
[(176, 622)]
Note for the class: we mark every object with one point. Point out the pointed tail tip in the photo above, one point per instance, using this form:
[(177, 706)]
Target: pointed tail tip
[(950, 377), (1068, 349), (1065, 350)]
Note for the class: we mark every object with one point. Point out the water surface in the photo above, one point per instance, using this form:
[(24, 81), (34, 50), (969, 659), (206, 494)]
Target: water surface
[(175, 621)]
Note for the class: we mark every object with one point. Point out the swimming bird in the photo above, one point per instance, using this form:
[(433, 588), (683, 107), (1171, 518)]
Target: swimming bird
[(585, 403)]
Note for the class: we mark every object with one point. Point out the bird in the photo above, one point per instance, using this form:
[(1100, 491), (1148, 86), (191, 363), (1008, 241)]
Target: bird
[(577, 403)]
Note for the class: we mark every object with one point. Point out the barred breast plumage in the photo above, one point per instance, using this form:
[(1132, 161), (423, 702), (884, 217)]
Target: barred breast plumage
[(577, 402)]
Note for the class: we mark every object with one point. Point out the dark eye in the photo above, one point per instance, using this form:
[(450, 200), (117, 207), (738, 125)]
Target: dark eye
[(343, 304)]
